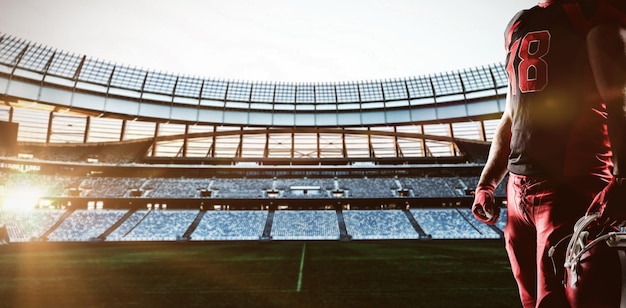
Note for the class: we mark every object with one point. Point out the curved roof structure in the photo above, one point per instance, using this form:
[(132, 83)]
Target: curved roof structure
[(376, 112), (39, 72)]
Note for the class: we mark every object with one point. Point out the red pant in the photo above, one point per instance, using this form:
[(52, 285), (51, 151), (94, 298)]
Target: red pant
[(540, 213)]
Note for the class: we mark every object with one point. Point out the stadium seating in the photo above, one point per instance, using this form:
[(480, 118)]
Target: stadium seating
[(175, 187), (310, 224), (305, 225), (161, 225), (363, 187), (378, 224), (110, 187), (369, 187), (28, 225), (128, 225), (241, 187), (451, 224), (230, 225), (85, 225), (169, 225)]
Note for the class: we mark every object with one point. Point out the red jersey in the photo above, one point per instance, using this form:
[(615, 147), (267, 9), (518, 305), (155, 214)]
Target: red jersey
[(559, 120)]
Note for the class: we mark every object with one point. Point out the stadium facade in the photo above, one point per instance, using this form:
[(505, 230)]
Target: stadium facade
[(121, 136)]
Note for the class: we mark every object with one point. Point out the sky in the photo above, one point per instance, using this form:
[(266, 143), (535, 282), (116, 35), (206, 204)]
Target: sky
[(272, 40)]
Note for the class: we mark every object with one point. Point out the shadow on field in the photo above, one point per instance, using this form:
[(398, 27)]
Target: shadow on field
[(257, 274)]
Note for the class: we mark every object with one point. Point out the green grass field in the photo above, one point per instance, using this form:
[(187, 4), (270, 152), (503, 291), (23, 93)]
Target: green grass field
[(257, 274)]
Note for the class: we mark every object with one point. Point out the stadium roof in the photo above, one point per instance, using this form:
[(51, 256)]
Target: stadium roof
[(86, 100), (23, 59)]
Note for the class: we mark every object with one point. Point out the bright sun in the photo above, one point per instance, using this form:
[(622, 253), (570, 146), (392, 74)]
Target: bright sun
[(21, 199)]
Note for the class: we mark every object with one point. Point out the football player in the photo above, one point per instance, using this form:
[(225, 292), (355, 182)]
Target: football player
[(554, 139)]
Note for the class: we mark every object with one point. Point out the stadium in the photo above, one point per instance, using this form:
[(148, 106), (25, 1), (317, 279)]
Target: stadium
[(108, 158)]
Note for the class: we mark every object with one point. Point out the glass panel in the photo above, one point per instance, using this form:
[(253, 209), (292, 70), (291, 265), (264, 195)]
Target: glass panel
[(347, 93), (128, 78), (437, 129), (476, 79), (394, 104), (253, 145), (383, 145), (262, 118), (188, 86), (499, 73), (438, 148), (263, 93), (371, 92), (237, 105), (4, 113), (171, 148), (346, 106), (279, 146), (68, 128), (104, 130), (36, 58), (285, 93), (490, 128), (419, 87), (160, 83), (257, 106), (451, 98), (138, 129), (283, 119), (33, 124), (96, 71), (226, 146), (447, 84), (284, 107), (480, 94), (199, 146), (211, 103), (395, 90), (238, 91), (214, 89), (326, 107), (10, 48), (28, 74), (305, 146), (331, 146), (410, 147), (325, 94), (357, 146), (305, 107), (64, 64), (372, 105), (169, 129), (466, 130), (305, 94)]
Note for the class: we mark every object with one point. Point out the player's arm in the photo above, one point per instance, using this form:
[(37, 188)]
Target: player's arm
[(606, 45), (496, 165), (484, 207)]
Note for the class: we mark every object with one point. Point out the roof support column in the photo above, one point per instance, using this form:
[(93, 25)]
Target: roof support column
[(154, 140), (87, 127), (186, 140), (49, 130), (123, 130)]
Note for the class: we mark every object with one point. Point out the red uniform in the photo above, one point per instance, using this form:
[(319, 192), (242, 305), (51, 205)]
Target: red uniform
[(559, 151)]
